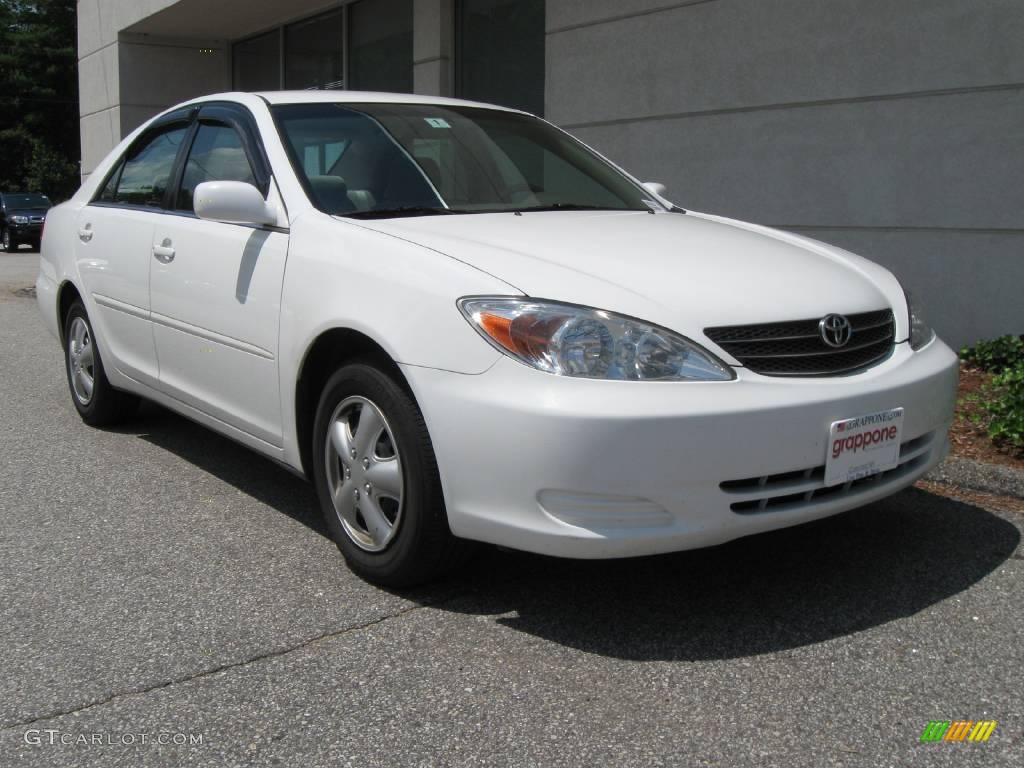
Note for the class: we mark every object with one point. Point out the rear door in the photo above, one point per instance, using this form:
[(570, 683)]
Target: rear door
[(114, 247), (216, 288)]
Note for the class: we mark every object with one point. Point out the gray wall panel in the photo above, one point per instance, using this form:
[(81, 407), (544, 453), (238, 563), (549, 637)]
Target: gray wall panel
[(563, 14), (731, 53), (942, 161)]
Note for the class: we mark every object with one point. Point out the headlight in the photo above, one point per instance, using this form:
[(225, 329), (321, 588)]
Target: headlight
[(567, 340), (19, 219), (920, 332)]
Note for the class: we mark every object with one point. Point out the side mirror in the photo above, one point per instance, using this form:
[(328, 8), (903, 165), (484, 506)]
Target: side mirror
[(233, 202), (655, 188)]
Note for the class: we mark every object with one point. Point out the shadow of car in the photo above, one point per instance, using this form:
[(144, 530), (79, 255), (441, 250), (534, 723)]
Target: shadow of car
[(763, 594)]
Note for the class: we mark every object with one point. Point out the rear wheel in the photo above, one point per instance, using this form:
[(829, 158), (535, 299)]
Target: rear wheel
[(96, 401), (377, 480)]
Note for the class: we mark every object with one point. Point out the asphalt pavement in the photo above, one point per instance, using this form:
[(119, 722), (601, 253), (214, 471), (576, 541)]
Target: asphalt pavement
[(170, 598)]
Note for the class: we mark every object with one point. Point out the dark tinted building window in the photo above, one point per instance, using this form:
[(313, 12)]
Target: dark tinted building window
[(314, 52), (256, 63), (500, 52), (380, 45)]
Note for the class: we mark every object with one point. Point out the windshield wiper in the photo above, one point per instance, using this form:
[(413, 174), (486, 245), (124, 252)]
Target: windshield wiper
[(404, 210), (572, 207)]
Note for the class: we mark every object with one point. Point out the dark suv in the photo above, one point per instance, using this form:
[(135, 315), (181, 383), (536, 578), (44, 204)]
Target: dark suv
[(21, 219)]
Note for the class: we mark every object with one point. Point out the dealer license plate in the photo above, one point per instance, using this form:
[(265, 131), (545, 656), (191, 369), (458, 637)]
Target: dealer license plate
[(865, 445)]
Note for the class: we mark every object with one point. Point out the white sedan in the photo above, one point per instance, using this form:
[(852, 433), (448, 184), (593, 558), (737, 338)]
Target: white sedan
[(460, 323)]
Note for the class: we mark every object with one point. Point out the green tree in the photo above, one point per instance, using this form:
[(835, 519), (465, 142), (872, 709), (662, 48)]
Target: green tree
[(39, 125)]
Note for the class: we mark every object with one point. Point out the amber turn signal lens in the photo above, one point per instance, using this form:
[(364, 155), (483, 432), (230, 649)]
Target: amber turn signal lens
[(499, 329)]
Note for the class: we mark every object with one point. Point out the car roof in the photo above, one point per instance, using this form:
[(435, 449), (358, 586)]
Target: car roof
[(342, 97)]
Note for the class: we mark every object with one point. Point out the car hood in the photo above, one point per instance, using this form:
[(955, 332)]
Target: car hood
[(27, 212), (683, 271)]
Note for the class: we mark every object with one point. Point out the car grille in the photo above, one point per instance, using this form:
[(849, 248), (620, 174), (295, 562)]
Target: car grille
[(806, 487), (796, 348)]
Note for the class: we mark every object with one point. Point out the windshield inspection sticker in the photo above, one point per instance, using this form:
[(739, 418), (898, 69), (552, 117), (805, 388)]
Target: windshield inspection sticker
[(437, 122), (863, 446)]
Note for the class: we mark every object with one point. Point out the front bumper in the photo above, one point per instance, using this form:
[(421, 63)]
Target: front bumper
[(595, 469), (23, 232)]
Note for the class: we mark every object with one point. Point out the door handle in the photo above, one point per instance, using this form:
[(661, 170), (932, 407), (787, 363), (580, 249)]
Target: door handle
[(164, 253), (85, 233)]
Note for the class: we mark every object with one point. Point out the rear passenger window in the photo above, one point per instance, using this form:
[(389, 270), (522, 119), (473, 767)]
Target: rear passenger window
[(147, 171), (216, 155)]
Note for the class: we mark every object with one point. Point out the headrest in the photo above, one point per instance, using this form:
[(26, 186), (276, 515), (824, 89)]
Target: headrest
[(332, 193)]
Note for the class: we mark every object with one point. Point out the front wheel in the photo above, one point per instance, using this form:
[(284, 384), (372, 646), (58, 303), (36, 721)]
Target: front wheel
[(377, 480), (97, 402)]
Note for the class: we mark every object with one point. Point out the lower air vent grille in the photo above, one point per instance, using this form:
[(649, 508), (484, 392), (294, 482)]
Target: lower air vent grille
[(806, 487)]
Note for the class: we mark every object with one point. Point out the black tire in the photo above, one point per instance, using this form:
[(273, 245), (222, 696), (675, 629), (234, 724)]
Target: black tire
[(8, 243), (102, 406), (422, 545)]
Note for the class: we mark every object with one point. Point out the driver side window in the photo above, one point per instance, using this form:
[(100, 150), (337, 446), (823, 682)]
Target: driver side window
[(217, 154)]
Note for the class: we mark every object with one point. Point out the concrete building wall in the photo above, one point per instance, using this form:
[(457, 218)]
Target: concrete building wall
[(99, 69), (125, 77), (432, 46), (138, 57), (141, 77), (894, 129)]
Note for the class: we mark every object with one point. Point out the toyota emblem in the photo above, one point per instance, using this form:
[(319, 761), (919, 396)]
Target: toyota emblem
[(835, 330)]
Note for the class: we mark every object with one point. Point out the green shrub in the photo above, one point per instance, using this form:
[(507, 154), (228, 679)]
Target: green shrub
[(995, 355), (1005, 405)]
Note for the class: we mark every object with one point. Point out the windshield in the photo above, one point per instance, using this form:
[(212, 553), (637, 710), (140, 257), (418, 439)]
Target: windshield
[(366, 160), (27, 202)]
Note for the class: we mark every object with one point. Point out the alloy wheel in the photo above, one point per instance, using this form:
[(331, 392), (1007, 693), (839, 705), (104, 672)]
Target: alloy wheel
[(364, 473), (81, 361)]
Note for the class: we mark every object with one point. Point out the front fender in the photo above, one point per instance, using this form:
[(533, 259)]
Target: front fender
[(400, 294)]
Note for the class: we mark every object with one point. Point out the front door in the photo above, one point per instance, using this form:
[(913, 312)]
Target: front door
[(215, 295)]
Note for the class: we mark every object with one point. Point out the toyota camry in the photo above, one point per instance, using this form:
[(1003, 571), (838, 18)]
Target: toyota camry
[(462, 324)]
